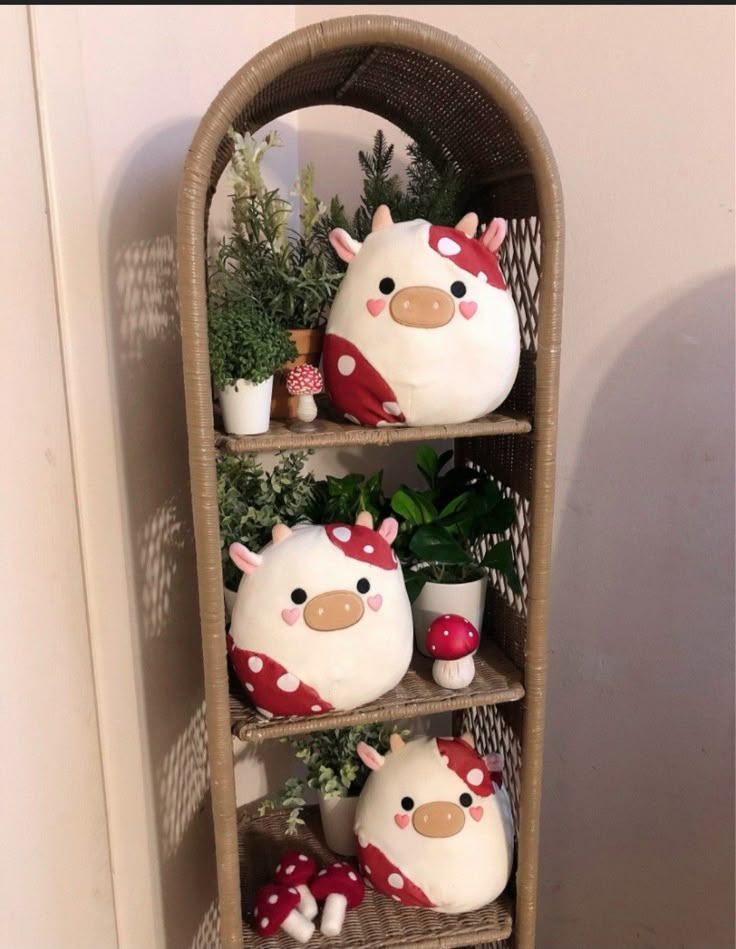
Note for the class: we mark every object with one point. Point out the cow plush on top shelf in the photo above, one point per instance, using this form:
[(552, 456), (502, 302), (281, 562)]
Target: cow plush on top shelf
[(422, 330), (322, 620), (434, 825)]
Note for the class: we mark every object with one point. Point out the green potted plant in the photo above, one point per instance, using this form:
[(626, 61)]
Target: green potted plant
[(246, 348), (252, 500), (334, 770), (288, 273), (448, 540)]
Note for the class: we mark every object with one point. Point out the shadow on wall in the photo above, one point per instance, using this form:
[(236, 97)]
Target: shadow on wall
[(147, 359), (638, 824)]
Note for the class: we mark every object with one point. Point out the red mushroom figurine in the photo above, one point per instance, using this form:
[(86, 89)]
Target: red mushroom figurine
[(297, 869), (451, 641), (276, 908), (306, 382), (341, 887)]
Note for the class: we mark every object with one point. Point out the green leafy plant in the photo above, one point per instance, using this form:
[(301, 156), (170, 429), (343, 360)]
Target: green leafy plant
[(332, 766), (245, 343), (447, 529), (434, 190), (287, 274), (342, 499), (251, 500)]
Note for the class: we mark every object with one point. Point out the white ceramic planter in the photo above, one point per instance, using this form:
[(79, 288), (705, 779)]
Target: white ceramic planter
[(229, 602), (338, 822), (246, 407), (436, 599)]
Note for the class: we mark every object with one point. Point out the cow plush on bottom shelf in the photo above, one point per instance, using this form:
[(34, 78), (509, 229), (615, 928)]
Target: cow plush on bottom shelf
[(322, 620), (423, 330), (434, 825)]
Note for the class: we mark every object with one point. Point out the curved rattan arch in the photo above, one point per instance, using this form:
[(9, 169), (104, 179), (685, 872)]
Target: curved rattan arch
[(417, 77)]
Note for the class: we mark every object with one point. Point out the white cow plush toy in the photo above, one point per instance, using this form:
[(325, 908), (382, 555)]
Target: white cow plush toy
[(422, 330), (434, 825), (322, 620)]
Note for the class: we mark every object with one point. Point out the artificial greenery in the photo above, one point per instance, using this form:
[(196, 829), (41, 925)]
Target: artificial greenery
[(445, 528), (433, 191), (332, 765), (340, 500), (288, 275), (251, 500), (245, 343)]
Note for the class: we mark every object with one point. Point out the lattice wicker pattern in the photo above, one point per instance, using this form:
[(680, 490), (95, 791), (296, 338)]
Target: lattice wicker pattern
[(520, 261)]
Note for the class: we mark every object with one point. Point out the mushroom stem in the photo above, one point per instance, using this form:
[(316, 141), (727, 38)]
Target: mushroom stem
[(454, 673), (308, 904), (298, 926), (306, 408), (333, 914)]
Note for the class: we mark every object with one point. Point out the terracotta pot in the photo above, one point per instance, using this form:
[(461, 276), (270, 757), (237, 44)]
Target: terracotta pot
[(309, 350)]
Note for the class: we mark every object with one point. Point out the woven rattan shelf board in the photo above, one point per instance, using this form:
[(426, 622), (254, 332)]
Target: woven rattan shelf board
[(496, 680), (378, 921), (279, 437)]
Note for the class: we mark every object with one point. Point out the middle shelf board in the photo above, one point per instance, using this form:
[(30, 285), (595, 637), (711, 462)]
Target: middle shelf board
[(378, 923), (496, 680)]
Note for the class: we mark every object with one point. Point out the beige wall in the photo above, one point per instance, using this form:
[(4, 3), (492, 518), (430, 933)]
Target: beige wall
[(638, 102), (55, 875)]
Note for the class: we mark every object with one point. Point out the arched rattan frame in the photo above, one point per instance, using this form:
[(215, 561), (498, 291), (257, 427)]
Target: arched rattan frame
[(417, 77)]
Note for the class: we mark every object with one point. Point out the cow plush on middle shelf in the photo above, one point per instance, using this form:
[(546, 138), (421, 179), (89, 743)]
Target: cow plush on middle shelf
[(423, 329), (322, 619)]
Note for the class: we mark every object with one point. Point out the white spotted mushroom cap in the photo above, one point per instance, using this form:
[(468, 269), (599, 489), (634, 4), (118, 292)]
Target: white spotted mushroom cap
[(273, 905), (451, 637), (304, 380), (339, 878), (294, 869)]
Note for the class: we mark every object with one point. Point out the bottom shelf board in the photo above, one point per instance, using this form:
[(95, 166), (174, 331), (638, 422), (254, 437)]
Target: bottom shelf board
[(378, 921)]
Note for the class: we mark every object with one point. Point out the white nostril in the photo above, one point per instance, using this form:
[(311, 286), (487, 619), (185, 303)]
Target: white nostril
[(435, 305), (320, 611), (406, 304), (347, 606)]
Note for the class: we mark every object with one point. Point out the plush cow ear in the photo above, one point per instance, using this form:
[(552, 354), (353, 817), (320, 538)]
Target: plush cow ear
[(396, 742), (494, 761), (280, 532), (382, 218), (494, 235), (346, 247), (389, 529), (364, 519), (369, 756), (245, 559), (468, 224)]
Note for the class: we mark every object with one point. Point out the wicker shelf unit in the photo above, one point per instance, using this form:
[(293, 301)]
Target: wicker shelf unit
[(421, 79)]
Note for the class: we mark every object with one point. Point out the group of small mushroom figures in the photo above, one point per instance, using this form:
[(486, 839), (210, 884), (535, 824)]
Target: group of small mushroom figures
[(291, 901)]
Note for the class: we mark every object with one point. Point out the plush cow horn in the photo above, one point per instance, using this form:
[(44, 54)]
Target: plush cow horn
[(382, 218), (468, 739), (364, 519), (468, 224), (396, 742), (280, 532)]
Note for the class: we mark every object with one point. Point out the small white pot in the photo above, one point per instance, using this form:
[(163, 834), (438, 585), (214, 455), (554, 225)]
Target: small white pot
[(230, 596), (436, 599), (338, 823), (246, 407)]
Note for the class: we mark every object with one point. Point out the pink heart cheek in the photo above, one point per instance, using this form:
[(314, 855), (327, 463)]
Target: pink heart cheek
[(476, 812), (402, 820), (375, 306), (290, 616), (468, 308), (375, 602)]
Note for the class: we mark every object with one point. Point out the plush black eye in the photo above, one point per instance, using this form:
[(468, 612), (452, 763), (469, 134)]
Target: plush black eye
[(387, 285), (298, 596), (458, 289), (407, 803), (466, 800), (363, 585)]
